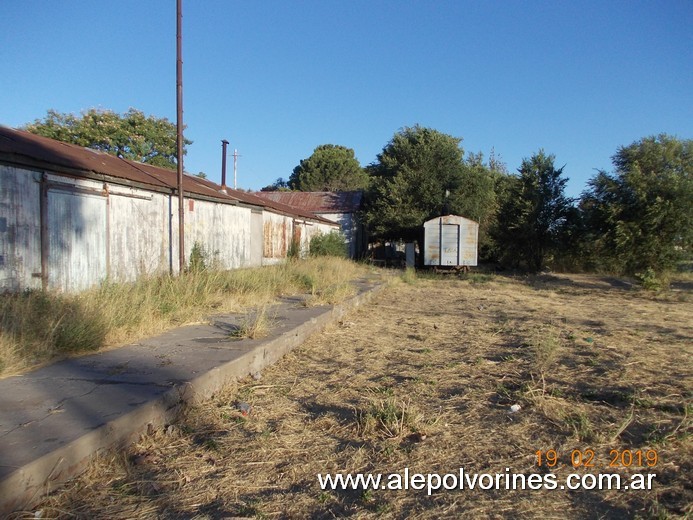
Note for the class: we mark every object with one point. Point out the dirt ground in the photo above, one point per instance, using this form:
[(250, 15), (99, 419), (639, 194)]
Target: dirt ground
[(424, 378)]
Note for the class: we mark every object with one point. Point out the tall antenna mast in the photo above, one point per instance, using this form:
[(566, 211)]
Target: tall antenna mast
[(235, 167)]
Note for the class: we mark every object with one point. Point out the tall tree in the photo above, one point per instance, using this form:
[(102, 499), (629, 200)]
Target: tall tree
[(131, 135), (330, 168), (640, 217), (532, 219), (482, 190), (414, 179)]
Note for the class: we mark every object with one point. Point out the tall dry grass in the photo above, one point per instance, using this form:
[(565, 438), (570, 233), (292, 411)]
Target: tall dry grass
[(37, 326)]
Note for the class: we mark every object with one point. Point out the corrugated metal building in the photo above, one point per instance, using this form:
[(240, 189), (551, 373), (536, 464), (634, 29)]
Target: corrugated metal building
[(71, 217), (341, 207)]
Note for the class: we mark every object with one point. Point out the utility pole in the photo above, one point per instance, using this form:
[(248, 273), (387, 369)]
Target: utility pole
[(179, 137)]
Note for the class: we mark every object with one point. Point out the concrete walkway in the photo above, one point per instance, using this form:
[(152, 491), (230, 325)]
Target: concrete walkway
[(54, 419)]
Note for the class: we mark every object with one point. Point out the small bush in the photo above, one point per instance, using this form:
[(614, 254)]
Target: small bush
[(332, 244), (198, 258), (653, 281)]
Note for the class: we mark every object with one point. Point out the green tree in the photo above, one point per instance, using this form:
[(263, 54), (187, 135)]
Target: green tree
[(422, 173), (132, 135), (639, 219), (330, 168), (531, 222), (414, 179), (279, 185)]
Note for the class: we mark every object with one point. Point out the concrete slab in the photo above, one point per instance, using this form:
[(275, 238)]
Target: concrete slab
[(54, 419)]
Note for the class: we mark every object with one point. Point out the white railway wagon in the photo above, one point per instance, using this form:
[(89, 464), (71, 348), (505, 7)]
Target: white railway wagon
[(451, 242)]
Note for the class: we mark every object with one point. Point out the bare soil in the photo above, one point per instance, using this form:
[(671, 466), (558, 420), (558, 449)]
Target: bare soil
[(424, 378)]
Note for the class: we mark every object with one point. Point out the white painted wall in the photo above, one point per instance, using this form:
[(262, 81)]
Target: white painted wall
[(20, 229), (104, 230)]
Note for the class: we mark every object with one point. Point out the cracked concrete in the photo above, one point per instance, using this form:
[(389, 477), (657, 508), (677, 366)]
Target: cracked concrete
[(52, 420)]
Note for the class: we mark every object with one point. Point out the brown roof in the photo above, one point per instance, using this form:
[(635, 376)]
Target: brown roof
[(317, 201), (21, 147)]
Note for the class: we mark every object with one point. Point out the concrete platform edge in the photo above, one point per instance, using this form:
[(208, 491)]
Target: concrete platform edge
[(27, 485)]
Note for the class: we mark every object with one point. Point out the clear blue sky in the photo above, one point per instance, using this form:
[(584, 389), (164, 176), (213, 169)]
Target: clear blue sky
[(278, 78)]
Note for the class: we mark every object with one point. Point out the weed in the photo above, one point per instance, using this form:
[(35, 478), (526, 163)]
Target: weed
[(477, 278), (294, 250), (409, 275), (198, 258), (255, 325), (544, 347), (123, 487), (383, 390), (211, 445), (581, 425), (387, 418), (252, 508)]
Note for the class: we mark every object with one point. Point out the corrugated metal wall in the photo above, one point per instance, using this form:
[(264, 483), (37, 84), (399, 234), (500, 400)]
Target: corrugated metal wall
[(95, 231), (139, 233), (77, 239), (277, 234), (20, 229), (222, 229)]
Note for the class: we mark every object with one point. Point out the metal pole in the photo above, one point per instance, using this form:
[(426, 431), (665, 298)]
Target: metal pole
[(179, 139), (235, 159), (224, 144)]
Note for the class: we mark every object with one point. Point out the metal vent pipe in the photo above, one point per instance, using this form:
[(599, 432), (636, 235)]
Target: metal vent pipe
[(224, 144)]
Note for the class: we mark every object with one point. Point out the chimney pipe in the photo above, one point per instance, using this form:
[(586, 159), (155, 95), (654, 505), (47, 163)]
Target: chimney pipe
[(224, 144)]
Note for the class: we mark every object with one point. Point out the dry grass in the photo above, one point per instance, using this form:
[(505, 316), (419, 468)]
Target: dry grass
[(37, 327), (255, 325), (423, 378)]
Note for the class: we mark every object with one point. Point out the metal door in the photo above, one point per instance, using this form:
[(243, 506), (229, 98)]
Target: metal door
[(449, 244), (77, 240)]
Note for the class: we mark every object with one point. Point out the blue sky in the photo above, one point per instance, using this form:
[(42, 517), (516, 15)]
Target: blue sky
[(278, 78)]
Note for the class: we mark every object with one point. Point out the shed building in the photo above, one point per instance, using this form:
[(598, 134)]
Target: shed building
[(342, 207), (72, 217)]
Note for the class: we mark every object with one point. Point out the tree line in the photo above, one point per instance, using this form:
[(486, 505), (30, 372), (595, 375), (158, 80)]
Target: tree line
[(635, 220)]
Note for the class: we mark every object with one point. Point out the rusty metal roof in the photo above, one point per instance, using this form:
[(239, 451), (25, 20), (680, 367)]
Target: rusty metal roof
[(25, 148), (317, 201)]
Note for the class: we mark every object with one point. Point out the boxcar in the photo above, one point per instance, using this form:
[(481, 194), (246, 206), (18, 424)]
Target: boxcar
[(450, 242)]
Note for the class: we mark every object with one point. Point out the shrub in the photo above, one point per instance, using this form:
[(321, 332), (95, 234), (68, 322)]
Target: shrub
[(332, 244), (198, 258)]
